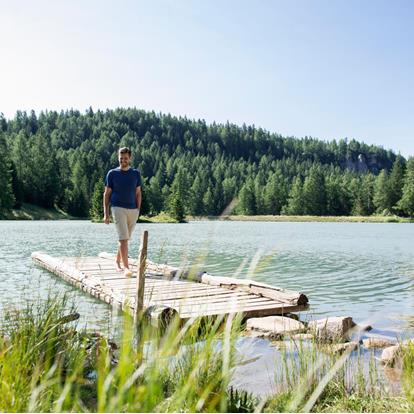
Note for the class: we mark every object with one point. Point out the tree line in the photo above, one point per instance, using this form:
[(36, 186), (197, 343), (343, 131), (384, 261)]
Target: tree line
[(191, 167)]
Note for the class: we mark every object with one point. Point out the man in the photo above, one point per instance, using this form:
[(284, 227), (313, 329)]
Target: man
[(123, 192)]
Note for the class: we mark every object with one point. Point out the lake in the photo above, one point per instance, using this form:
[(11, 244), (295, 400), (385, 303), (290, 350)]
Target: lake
[(363, 270)]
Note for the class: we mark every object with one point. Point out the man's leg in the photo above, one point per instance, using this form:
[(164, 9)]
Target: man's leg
[(120, 220), (123, 249), (118, 259)]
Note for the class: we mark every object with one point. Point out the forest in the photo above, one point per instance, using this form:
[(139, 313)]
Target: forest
[(193, 168)]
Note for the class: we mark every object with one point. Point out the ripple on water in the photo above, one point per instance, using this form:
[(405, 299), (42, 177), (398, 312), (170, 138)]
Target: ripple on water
[(354, 268)]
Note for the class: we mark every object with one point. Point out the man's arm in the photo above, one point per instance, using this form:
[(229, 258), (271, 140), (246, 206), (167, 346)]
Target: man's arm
[(138, 197), (106, 198)]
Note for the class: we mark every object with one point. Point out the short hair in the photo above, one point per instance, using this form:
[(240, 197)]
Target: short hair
[(124, 150)]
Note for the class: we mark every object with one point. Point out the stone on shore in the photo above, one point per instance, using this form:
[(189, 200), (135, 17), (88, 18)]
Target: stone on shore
[(377, 342), (390, 355), (302, 336), (340, 348), (333, 328), (275, 326)]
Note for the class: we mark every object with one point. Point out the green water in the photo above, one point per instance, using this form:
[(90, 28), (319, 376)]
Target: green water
[(359, 269)]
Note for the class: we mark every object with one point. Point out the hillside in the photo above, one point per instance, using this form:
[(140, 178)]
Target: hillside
[(61, 159)]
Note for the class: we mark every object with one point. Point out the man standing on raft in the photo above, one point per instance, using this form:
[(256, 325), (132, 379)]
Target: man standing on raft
[(123, 192)]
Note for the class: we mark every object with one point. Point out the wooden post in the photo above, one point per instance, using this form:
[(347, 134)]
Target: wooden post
[(142, 257)]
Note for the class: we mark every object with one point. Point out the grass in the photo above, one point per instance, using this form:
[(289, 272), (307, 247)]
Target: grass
[(48, 364), (33, 212), (159, 218), (315, 381), (336, 219)]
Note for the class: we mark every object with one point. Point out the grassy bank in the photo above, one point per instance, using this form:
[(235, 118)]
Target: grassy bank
[(334, 219), (48, 364), (33, 212)]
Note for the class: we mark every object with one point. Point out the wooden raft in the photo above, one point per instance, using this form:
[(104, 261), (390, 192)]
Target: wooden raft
[(170, 287)]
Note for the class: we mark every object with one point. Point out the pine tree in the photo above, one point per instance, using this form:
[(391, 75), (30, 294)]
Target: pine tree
[(396, 182), (96, 211), (363, 191), (154, 196), (196, 197), (334, 201), (294, 205), (176, 208), (6, 194), (382, 197), (406, 204), (314, 195), (208, 201), (275, 194), (247, 202)]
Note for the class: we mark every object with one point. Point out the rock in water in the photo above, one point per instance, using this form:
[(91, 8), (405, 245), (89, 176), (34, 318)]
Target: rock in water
[(333, 328), (276, 326), (339, 348), (389, 355), (302, 337), (376, 342)]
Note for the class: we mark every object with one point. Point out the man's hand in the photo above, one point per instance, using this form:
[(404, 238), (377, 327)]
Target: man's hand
[(106, 219)]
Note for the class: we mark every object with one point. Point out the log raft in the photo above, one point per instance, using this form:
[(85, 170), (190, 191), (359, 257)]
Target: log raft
[(168, 289)]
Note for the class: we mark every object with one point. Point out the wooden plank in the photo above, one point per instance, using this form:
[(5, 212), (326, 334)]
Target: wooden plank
[(168, 288), (198, 297), (184, 306), (249, 311), (158, 282)]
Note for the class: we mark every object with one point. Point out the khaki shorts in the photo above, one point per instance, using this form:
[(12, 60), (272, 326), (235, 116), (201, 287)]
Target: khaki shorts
[(125, 220)]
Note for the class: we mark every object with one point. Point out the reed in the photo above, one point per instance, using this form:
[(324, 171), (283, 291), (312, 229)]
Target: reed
[(49, 364)]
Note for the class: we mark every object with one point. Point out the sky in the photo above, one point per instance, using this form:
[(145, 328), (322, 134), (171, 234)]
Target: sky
[(329, 69)]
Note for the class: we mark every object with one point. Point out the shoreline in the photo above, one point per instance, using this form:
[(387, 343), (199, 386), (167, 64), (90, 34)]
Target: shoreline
[(33, 212), (306, 219)]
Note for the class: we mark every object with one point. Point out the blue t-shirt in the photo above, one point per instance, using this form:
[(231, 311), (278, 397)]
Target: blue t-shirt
[(123, 184)]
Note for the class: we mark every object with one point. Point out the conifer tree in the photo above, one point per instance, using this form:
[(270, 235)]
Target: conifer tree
[(275, 194), (314, 195), (382, 198), (295, 200), (406, 204), (247, 202), (96, 211), (176, 208), (6, 194), (396, 181)]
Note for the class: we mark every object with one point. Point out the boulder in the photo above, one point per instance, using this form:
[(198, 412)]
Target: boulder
[(276, 326), (340, 348), (364, 328), (333, 328), (257, 334), (390, 355), (377, 342), (302, 336)]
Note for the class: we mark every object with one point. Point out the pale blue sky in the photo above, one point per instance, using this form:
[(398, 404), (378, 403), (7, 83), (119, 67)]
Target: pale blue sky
[(327, 69)]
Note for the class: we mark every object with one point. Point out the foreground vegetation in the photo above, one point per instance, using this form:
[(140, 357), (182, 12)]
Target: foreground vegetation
[(48, 364), (191, 168)]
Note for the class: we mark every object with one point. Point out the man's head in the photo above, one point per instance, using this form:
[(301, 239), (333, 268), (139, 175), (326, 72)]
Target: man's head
[(124, 156)]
